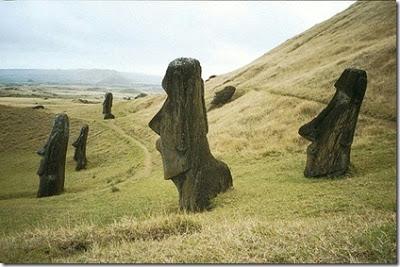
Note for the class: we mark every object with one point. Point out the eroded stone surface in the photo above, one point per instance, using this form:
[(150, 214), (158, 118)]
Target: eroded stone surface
[(80, 148), (182, 126), (107, 104), (52, 165), (332, 131)]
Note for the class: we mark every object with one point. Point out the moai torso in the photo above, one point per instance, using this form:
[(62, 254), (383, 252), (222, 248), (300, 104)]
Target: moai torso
[(332, 131), (182, 126), (52, 166)]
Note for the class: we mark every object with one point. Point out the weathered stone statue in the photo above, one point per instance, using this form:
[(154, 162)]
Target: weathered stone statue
[(222, 97), (182, 126), (80, 148), (52, 166), (332, 131), (107, 104)]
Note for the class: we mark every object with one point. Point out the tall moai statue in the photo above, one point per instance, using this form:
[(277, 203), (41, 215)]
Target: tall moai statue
[(80, 148), (332, 131), (182, 126), (107, 104), (52, 165)]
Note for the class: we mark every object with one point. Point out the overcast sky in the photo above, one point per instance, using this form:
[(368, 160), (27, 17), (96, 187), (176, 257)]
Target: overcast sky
[(145, 36)]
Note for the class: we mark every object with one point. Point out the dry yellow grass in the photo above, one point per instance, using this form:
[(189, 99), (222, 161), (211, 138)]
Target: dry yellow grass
[(306, 66)]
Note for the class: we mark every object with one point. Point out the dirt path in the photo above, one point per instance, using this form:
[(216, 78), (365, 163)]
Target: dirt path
[(144, 171), (147, 165)]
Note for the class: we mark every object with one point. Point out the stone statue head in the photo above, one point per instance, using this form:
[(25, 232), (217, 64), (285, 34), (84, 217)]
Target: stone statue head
[(107, 104), (332, 131), (182, 126), (181, 123), (52, 164)]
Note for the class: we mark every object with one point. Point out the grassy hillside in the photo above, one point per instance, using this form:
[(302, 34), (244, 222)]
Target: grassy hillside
[(122, 210), (306, 66)]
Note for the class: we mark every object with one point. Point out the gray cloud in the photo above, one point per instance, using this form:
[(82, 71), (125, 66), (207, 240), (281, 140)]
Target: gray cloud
[(145, 36)]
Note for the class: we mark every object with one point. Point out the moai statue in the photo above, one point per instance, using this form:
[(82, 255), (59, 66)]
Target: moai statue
[(52, 165), (80, 148), (182, 126), (107, 104), (332, 131), (222, 97)]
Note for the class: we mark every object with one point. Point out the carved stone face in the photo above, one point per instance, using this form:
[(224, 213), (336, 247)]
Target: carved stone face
[(181, 123), (52, 164), (332, 131), (52, 151)]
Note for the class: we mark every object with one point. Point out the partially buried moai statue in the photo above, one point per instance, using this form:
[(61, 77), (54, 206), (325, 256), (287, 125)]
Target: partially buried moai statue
[(80, 148), (107, 104), (182, 126), (332, 131), (52, 165)]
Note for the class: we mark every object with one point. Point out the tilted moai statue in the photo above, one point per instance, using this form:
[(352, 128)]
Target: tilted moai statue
[(107, 104), (182, 126), (52, 165), (80, 148), (332, 131), (222, 97)]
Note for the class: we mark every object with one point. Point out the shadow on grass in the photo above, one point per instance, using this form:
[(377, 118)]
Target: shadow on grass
[(21, 194)]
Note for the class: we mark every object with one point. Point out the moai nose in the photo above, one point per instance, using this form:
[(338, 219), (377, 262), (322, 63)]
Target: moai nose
[(155, 123)]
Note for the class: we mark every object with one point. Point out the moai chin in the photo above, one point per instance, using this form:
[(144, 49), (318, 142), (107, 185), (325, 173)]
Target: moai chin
[(182, 126), (332, 131), (52, 165), (80, 148), (107, 104)]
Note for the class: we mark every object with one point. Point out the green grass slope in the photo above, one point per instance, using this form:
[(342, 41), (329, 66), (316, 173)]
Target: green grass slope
[(122, 210)]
